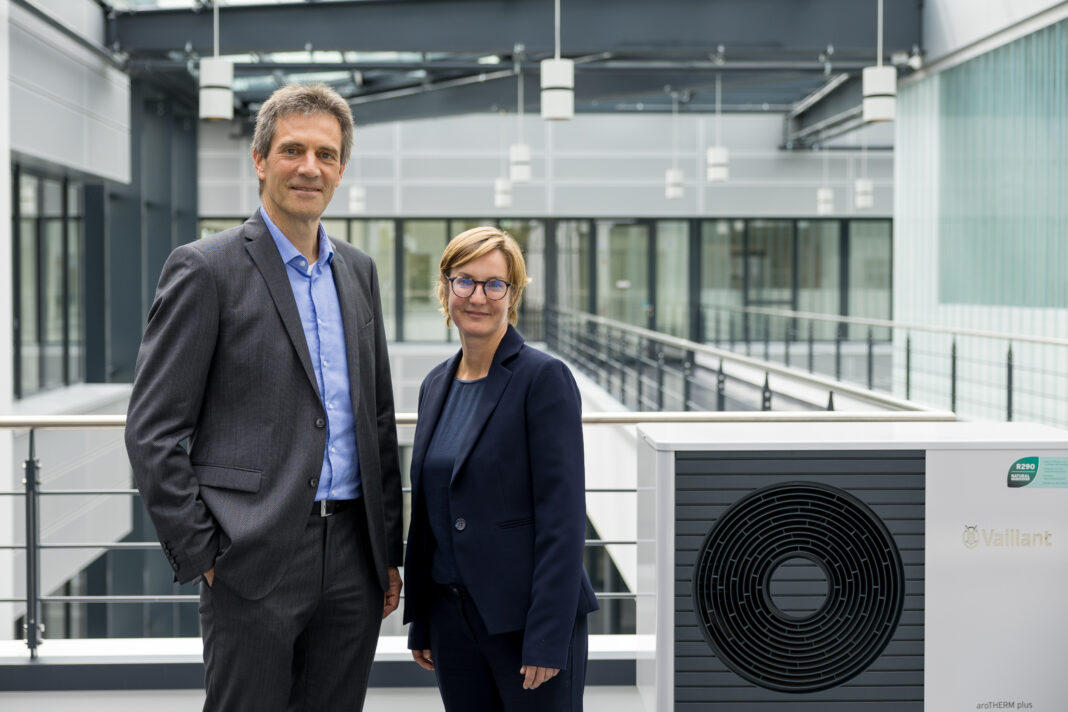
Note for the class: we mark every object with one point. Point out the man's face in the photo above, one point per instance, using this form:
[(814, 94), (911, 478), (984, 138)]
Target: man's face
[(303, 167)]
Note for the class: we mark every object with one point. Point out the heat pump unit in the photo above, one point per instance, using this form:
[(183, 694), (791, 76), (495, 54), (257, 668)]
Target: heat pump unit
[(853, 566)]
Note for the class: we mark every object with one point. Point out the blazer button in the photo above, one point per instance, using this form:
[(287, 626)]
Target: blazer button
[(460, 524), (313, 482), (320, 423)]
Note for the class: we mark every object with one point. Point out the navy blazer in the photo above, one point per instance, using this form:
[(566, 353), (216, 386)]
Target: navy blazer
[(518, 486)]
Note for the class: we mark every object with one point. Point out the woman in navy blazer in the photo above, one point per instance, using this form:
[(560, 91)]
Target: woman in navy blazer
[(496, 592)]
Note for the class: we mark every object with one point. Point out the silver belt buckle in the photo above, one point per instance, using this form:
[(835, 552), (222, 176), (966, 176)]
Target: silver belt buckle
[(322, 509)]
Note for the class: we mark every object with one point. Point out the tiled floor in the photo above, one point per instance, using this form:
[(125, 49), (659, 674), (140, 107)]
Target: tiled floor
[(598, 699)]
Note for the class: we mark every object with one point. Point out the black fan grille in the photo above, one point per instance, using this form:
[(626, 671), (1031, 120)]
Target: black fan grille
[(828, 527)]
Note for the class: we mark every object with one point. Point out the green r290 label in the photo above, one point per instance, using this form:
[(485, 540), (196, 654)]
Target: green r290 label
[(1036, 472)]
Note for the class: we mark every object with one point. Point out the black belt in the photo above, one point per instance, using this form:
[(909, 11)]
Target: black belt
[(330, 507)]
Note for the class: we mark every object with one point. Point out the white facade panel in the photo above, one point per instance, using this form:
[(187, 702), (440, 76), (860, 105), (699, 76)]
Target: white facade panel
[(68, 105)]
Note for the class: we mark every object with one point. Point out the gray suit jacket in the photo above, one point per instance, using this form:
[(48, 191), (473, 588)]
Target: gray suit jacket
[(226, 428)]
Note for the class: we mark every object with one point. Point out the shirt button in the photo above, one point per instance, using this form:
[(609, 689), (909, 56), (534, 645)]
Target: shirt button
[(313, 482), (320, 423), (460, 524), (332, 449)]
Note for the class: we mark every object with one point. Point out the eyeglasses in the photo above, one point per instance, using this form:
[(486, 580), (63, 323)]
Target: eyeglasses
[(464, 287)]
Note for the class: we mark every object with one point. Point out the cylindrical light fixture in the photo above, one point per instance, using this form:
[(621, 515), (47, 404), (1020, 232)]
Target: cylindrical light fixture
[(880, 93), (557, 89), (502, 193), (824, 201), (216, 81), (216, 88), (879, 82), (718, 164), (519, 163), (863, 194), (717, 157), (357, 199), (673, 184)]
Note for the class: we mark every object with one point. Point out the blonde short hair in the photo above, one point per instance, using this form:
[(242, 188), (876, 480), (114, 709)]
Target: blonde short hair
[(475, 243)]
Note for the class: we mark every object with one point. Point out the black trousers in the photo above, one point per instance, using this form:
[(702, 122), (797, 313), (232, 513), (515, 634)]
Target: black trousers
[(479, 671), (307, 645)]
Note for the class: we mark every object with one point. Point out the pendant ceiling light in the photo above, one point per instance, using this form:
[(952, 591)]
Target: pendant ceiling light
[(502, 186), (216, 82), (673, 176), (557, 83), (717, 157), (863, 191), (824, 194), (357, 199), (519, 152), (880, 83)]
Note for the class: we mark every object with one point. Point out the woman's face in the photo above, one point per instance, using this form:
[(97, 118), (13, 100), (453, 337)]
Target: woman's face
[(477, 316)]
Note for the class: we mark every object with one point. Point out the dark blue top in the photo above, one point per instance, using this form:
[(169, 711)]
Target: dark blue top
[(437, 473)]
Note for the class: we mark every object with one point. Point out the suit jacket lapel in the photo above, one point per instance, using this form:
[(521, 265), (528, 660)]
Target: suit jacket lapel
[(436, 391), (496, 381), (347, 295), (265, 254)]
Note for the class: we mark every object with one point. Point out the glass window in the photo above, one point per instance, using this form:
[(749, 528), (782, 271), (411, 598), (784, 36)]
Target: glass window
[(770, 264), (870, 264), (530, 234), (76, 285), (424, 241), (622, 271), (722, 255), (336, 228), (818, 284), (377, 238), (672, 276), (210, 226), (29, 326), (572, 264)]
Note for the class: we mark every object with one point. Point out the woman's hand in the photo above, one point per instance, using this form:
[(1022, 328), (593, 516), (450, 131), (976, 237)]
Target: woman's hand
[(423, 658), (534, 676)]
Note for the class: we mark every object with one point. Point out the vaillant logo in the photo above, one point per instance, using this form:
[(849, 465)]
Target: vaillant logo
[(974, 536), (970, 536)]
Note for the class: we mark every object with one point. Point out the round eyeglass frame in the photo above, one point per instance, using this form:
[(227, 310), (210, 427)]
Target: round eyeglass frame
[(477, 282)]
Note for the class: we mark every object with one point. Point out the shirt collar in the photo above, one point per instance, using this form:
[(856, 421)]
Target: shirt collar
[(288, 251)]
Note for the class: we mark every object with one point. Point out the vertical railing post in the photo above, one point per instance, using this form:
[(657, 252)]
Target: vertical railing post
[(32, 483), (687, 375), (811, 345), (830, 400), (721, 388), (838, 329), (639, 367), (1008, 384), (765, 394), (660, 379), (730, 331), (908, 366), (787, 338), (953, 376), (871, 359)]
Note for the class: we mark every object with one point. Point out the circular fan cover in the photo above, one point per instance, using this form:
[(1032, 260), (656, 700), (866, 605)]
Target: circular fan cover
[(738, 579)]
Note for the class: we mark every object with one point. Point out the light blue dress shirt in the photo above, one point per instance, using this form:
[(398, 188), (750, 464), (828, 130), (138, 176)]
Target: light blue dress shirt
[(324, 332)]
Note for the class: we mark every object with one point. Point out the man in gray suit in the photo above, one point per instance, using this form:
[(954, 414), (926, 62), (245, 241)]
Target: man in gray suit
[(262, 435)]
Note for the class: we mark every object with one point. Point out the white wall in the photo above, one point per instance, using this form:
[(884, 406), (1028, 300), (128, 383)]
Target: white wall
[(951, 25), (68, 106), (595, 165)]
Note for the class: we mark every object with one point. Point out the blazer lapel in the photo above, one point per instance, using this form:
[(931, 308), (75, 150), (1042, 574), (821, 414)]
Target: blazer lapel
[(265, 254), (436, 391), (348, 296), (496, 382)]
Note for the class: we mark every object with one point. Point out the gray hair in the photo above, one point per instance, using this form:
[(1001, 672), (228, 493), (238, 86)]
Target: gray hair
[(304, 99)]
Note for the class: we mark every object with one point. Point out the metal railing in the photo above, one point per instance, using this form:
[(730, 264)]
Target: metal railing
[(32, 491), (973, 372), (651, 371)]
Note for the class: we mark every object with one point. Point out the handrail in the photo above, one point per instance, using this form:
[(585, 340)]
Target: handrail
[(884, 323), (82, 422), (828, 384)]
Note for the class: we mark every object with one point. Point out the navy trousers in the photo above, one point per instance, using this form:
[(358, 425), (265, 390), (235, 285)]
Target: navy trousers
[(309, 644), (479, 671)]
